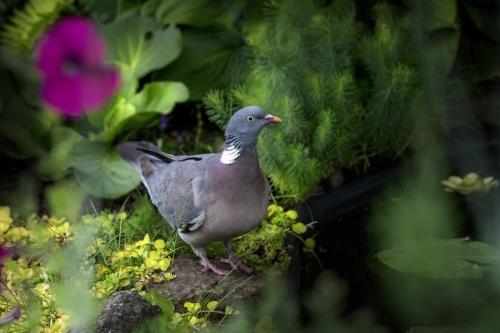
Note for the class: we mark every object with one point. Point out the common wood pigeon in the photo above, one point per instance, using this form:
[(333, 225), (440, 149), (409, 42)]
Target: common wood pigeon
[(209, 197)]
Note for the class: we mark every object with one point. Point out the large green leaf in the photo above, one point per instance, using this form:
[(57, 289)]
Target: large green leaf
[(102, 11), (102, 172), (197, 13), (141, 44), (441, 258), (153, 100), (209, 60), (160, 97)]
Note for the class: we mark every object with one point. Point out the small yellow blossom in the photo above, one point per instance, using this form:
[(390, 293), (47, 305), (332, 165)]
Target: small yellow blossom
[(212, 305), (291, 214), (192, 307), (299, 228), (159, 244)]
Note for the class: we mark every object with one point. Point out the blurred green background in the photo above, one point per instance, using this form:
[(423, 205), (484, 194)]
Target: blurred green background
[(389, 152)]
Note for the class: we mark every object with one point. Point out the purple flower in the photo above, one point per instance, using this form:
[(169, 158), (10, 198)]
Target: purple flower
[(11, 316), (70, 57), (164, 122)]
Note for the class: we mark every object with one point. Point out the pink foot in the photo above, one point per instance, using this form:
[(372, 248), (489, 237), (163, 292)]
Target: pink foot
[(236, 263), (208, 266)]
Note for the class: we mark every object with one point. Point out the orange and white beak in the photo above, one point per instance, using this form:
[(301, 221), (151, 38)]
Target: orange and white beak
[(273, 119)]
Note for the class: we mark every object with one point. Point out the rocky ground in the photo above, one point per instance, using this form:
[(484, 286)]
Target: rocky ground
[(126, 310)]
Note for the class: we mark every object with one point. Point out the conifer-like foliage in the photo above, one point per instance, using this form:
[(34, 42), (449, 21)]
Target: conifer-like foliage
[(26, 25), (347, 92)]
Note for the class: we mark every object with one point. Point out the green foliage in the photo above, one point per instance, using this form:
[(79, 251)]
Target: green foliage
[(451, 258), (219, 107), (213, 54), (28, 24), (323, 306), (108, 252), (141, 45), (209, 59), (137, 45), (305, 68), (23, 128), (265, 248)]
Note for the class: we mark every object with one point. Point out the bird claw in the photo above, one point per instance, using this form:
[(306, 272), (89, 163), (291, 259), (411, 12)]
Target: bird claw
[(237, 264), (208, 266)]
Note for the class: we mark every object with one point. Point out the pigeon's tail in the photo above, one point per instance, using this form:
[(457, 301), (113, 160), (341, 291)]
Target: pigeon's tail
[(135, 154), (132, 151)]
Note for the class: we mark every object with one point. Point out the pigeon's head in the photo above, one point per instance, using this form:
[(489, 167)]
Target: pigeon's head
[(247, 122)]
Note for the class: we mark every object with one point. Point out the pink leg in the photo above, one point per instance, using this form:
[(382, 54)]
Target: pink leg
[(207, 264), (233, 260)]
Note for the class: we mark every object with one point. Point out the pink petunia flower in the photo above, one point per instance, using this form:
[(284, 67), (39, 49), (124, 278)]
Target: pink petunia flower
[(71, 57)]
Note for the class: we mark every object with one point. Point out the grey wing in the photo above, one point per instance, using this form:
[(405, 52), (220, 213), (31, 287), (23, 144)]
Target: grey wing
[(169, 181), (171, 190)]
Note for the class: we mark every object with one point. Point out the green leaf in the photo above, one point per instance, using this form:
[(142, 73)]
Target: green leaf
[(197, 13), (141, 44), (439, 20), (65, 199), (55, 164), (160, 97), (440, 258), (102, 11), (164, 303), (101, 172), (143, 109), (439, 14), (209, 60)]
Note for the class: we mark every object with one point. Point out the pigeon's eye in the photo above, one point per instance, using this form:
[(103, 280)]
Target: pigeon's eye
[(250, 118)]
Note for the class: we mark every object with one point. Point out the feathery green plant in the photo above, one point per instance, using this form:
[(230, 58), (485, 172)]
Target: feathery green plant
[(27, 25), (346, 93)]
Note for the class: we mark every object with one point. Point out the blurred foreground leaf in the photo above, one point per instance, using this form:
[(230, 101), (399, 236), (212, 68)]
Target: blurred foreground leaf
[(101, 172), (65, 199), (165, 305), (440, 258), (55, 164)]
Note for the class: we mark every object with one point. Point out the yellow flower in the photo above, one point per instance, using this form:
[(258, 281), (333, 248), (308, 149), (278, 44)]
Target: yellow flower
[(150, 263), (192, 307), (60, 325), (121, 216), (60, 229), (291, 214), (212, 305), (4, 227), (273, 209), (310, 243), (193, 320), (5, 215), (164, 264), (159, 244), (16, 234), (154, 255), (299, 228)]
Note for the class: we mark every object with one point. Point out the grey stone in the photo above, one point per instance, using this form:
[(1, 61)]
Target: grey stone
[(124, 311), (191, 284)]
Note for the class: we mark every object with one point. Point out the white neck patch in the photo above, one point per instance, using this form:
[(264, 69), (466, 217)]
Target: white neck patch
[(230, 154)]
